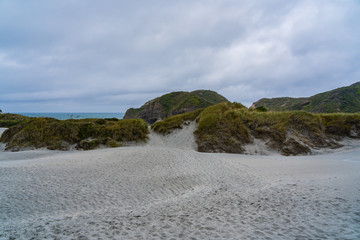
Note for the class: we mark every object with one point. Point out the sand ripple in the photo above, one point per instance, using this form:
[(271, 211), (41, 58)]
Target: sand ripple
[(166, 190)]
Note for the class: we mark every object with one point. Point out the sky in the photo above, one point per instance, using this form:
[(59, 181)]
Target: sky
[(110, 55)]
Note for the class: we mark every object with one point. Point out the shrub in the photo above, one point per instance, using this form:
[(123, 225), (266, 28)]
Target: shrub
[(7, 120), (261, 109)]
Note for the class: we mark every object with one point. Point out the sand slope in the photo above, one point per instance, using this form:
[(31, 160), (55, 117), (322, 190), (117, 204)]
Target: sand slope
[(166, 190)]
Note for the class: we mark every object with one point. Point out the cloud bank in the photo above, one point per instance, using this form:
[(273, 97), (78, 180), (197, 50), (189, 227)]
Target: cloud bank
[(92, 56)]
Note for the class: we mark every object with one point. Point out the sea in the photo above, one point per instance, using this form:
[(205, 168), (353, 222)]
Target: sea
[(64, 116)]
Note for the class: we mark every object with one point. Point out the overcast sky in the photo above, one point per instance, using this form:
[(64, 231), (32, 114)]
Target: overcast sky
[(107, 56)]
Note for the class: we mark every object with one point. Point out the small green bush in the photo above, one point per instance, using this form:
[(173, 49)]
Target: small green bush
[(8, 120), (261, 109)]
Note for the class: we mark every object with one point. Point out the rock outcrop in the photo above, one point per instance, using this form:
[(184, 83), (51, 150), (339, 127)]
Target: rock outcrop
[(173, 104)]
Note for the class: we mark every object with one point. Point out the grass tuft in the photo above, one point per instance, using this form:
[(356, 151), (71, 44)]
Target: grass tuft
[(175, 122)]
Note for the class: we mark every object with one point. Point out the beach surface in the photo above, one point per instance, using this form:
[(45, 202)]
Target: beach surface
[(166, 190)]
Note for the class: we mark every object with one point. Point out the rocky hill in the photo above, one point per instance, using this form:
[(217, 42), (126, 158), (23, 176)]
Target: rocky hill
[(345, 99), (174, 103)]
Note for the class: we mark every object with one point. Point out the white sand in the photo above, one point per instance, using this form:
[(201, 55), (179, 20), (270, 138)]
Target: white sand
[(166, 190)]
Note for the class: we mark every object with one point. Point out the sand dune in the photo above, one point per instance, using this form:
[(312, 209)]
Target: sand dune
[(167, 190)]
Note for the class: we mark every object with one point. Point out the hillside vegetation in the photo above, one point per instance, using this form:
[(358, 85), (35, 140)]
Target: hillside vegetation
[(84, 133), (173, 104), (345, 99), (229, 127)]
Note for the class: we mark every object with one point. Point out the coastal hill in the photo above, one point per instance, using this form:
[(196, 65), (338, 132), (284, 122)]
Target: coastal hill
[(174, 103), (344, 99)]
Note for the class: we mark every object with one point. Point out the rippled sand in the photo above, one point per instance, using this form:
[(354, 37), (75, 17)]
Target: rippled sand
[(166, 190)]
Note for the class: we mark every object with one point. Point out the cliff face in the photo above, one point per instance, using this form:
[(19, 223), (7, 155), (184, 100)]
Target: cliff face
[(173, 104), (345, 99)]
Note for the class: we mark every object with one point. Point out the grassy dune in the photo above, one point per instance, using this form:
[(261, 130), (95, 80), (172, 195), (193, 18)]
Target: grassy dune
[(84, 133), (225, 127), (228, 127)]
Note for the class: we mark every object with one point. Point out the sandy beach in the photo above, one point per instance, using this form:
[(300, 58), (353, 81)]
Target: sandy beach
[(166, 190)]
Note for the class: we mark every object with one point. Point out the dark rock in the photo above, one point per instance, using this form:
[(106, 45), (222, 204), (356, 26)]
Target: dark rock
[(88, 144), (293, 147)]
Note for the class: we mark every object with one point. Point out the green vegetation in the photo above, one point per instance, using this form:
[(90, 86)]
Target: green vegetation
[(8, 120), (85, 133), (261, 109), (173, 104), (345, 99), (281, 104), (175, 122), (227, 127), (340, 124), (178, 102), (221, 129), (132, 113)]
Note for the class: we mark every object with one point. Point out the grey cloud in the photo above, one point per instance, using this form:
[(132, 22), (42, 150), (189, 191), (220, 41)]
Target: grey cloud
[(114, 54)]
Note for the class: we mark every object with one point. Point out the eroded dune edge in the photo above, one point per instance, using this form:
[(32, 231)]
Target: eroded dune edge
[(165, 189)]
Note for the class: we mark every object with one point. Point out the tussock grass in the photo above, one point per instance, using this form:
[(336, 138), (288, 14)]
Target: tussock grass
[(341, 124), (175, 122), (85, 133), (227, 127), (221, 129)]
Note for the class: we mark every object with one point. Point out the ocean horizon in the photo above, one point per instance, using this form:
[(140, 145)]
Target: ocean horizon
[(69, 115)]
